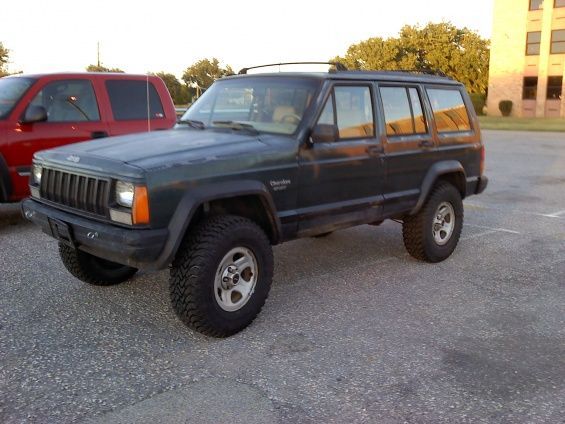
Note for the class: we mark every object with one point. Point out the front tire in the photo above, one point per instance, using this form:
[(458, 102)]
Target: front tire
[(92, 269), (221, 276), (433, 233)]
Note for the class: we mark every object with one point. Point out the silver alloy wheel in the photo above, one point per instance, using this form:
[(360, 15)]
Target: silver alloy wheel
[(444, 223), (235, 279)]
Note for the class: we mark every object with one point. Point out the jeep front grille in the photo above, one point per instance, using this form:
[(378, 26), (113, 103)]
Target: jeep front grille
[(76, 191)]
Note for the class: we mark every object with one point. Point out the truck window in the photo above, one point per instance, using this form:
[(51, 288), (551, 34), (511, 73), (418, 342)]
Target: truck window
[(11, 91), (353, 112), (128, 100), (402, 107), (449, 110), (68, 101), (272, 105)]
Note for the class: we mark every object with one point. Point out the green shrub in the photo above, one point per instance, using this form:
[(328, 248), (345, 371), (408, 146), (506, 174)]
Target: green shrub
[(505, 107), (479, 102)]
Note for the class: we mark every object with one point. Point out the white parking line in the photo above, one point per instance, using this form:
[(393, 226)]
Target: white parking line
[(473, 236), (556, 215), (492, 229)]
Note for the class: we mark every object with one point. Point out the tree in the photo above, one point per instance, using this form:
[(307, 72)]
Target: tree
[(460, 53), (179, 92), (4, 56), (204, 72), (101, 68)]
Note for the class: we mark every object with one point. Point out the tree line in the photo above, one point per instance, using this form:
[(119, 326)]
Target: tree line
[(4, 56), (459, 53)]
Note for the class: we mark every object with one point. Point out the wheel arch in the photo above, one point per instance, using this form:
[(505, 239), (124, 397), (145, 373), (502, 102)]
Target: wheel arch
[(450, 171), (249, 199)]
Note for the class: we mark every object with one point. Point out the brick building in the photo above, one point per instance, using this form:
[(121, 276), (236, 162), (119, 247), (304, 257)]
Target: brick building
[(527, 61)]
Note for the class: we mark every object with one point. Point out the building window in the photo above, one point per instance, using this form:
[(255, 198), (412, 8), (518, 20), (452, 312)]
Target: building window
[(530, 91), (559, 3), (554, 88), (536, 4), (558, 41), (533, 42)]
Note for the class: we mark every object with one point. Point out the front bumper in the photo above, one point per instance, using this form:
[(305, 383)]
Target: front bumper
[(139, 248)]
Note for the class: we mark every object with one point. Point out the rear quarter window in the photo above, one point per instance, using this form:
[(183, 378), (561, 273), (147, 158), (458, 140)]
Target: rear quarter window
[(129, 100), (449, 109)]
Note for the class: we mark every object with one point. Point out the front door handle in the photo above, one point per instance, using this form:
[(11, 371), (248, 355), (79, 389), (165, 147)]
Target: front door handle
[(99, 134), (426, 143), (375, 150)]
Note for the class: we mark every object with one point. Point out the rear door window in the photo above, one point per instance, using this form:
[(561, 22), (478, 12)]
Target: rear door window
[(403, 111), (134, 100), (68, 101), (449, 110)]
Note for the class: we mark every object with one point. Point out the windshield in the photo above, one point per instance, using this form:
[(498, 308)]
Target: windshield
[(264, 104), (11, 90)]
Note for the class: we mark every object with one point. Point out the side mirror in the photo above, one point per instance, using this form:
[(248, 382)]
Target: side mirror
[(34, 114), (324, 133)]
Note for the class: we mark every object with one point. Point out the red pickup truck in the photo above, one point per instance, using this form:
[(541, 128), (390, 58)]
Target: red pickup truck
[(39, 112)]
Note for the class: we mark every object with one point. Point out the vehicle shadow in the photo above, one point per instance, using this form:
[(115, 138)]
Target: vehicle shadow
[(10, 215)]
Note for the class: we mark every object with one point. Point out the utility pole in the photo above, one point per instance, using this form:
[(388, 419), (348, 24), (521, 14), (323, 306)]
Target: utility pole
[(98, 54)]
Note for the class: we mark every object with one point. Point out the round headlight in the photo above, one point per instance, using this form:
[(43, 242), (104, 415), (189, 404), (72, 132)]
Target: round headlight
[(36, 174), (124, 194)]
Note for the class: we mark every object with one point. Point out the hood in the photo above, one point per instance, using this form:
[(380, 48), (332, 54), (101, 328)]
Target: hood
[(160, 148)]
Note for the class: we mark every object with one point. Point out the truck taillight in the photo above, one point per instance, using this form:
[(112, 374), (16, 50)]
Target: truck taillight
[(482, 159)]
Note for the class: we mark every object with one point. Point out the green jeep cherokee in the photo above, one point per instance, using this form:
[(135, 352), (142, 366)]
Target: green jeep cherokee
[(259, 160)]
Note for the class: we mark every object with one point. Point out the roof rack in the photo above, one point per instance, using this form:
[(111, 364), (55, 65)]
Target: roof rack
[(338, 66), (426, 71)]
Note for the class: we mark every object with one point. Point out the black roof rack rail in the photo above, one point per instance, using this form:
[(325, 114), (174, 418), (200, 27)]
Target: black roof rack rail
[(426, 71), (338, 66)]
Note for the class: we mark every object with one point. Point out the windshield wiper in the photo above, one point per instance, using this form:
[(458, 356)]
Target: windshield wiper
[(192, 123), (236, 125)]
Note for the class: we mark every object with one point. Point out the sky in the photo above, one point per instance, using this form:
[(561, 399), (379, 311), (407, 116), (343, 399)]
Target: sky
[(170, 35)]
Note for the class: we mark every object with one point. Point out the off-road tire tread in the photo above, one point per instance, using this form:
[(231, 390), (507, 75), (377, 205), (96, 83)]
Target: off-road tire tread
[(196, 252), (413, 227)]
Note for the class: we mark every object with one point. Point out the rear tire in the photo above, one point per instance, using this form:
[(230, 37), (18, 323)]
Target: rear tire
[(433, 233), (92, 269), (221, 276)]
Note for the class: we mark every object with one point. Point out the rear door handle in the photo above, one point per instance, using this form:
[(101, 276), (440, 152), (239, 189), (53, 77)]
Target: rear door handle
[(99, 134), (375, 150), (426, 143)]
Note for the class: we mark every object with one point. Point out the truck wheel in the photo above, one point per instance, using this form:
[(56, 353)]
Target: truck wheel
[(221, 275), (433, 233), (92, 269)]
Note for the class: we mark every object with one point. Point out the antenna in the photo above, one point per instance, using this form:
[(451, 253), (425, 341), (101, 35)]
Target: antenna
[(147, 98)]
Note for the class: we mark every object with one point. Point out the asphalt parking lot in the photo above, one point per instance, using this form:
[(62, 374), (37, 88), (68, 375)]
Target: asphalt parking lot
[(355, 330)]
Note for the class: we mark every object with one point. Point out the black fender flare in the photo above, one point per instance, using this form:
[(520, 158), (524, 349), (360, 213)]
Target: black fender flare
[(436, 171), (5, 182), (196, 197)]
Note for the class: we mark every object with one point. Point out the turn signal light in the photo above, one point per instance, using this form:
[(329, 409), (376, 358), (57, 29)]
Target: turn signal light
[(140, 210)]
